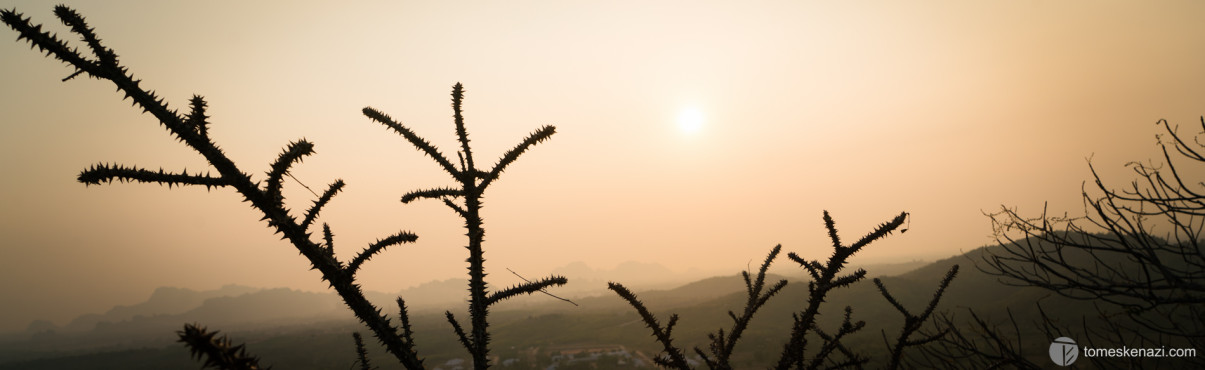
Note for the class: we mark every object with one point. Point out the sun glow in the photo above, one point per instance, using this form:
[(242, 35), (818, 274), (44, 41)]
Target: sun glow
[(690, 120)]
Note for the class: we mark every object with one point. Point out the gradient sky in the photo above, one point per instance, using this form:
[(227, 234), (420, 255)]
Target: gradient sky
[(944, 109)]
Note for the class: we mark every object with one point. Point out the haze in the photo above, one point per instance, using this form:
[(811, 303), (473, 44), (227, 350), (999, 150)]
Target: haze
[(693, 134)]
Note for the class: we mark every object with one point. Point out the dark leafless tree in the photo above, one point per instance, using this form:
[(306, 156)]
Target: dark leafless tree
[(1135, 255), (1137, 249)]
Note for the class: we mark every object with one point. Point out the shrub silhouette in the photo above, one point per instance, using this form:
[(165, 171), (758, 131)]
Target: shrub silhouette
[(193, 130), (1156, 278), (1135, 254), (826, 277)]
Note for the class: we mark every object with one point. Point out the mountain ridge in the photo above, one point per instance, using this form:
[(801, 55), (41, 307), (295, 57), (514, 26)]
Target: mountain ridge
[(537, 321)]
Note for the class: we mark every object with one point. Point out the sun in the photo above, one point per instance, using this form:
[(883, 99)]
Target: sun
[(690, 120)]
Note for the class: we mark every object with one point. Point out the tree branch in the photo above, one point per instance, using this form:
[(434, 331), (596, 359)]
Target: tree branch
[(105, 173), (378, 247), (541, 134), (312, 213), (418, 142), (526, 288), (437, 193), (676, 358)]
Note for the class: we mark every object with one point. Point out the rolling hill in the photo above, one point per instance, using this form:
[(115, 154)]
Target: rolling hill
[(293, 329)]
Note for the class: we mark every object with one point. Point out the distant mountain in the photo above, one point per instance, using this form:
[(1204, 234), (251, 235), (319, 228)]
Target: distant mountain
[(891, 269), (524, 326), (438, 295), (255, 304), (235, 304), (154, 323), (585, 280), (163, 301), (640, 272)]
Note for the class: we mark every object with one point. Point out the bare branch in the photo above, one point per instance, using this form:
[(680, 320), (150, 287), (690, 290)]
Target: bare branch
[(378, 247), (437, 193), (541, 134), (526, 288), (218, 352), (464, 340), (293, 153), (197, 118), (543, 290), (676, 358), (192, 131), (461, 134), (913, 323), (404, 314), (105, 173), (312, 213), (414, 139), (361, 352)]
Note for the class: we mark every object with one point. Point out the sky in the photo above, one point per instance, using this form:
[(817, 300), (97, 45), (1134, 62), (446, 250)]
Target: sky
[(694, 134)]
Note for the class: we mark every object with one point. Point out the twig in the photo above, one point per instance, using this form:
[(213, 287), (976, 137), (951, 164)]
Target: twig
[(545, 291)]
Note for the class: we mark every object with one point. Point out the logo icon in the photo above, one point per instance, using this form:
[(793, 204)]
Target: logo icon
[(1064, 351)]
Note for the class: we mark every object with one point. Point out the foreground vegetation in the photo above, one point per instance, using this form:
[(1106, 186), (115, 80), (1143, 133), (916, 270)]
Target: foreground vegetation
[(1148, 286)]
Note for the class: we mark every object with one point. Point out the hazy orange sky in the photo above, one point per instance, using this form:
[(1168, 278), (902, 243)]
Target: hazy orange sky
[(944, 109)]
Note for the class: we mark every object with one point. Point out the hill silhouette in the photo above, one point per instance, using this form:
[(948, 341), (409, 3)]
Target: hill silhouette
[(163, 301), (269, 320)]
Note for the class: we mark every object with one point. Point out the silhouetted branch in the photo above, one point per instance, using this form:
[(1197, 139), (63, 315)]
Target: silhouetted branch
[(105, 173), (197, 118), (826, 277), (722, 345), (293, 153), (676, 359), (456, 208), (462, 135), (833, 343), (439, 193), (543, 290), (312, 213), (812, 267), (1148, 288), (329, 239), (464, 340), (978, 345), (218, 352), (831, 227), (192, 131), (471, 192), (913, 323), (883, 230), (852, 360), (543, 133), (80, 27), (525, 288), (793, 354), (48, 43), (1112, 254), (420, 143), (378, 247), (361, 353), (407, 331)]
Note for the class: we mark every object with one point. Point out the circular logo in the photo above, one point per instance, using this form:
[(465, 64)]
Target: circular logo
[(1064, 351)]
